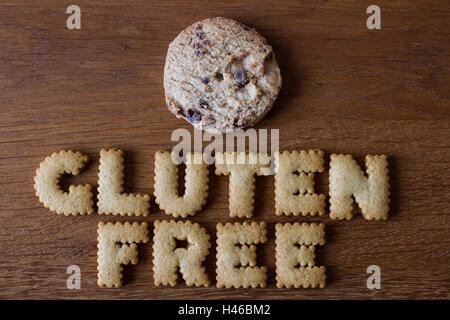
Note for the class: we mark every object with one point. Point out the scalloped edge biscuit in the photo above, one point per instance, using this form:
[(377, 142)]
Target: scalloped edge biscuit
[(370, 189), (111, 199), (167, 259), (79, 199), (294, 193), (288, 255), (166, 184), (242, 179), (117, 246), (229, 255)]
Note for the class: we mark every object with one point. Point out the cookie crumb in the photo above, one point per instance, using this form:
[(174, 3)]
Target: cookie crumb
[(46, 183), (111, 199)]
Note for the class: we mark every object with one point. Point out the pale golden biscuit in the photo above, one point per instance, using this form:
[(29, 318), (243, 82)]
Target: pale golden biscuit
[(295, 246), (79, 198), (236, 255), (166, 185), (220, 75), (242, 179), (168, 259), (294, 183), (111, 199), (348, 182), (117, 246)]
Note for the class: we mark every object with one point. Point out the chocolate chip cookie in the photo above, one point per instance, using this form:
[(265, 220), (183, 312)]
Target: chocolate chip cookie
[(220, 75)]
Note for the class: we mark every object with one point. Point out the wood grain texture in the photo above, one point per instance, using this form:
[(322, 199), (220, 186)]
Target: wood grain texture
[(346, 89)]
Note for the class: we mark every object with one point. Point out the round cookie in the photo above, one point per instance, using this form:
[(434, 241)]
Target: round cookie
[(220, 75)]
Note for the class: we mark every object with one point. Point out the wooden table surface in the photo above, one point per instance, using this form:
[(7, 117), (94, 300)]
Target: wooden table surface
[(346, 89)]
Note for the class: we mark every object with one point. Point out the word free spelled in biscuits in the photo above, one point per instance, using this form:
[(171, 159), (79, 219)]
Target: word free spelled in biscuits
[(236, 263)]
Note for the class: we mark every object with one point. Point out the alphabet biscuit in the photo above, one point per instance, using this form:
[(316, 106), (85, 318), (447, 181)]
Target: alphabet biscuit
[(348, 182), (295, 254), (294, 183), (117, 246), (166, 184), (79, 198), (111, 199)]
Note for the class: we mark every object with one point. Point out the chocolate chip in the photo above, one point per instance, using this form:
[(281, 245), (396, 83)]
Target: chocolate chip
[(203, 104), (174, 107), (241, 79), (239, 123), (200, 53), (200, 35), (193, 116), (199, 49), (209, 119), (204, 80), (218, 76)]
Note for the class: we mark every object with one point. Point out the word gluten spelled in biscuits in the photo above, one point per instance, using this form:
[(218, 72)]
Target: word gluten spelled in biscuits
[(236, 242)]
